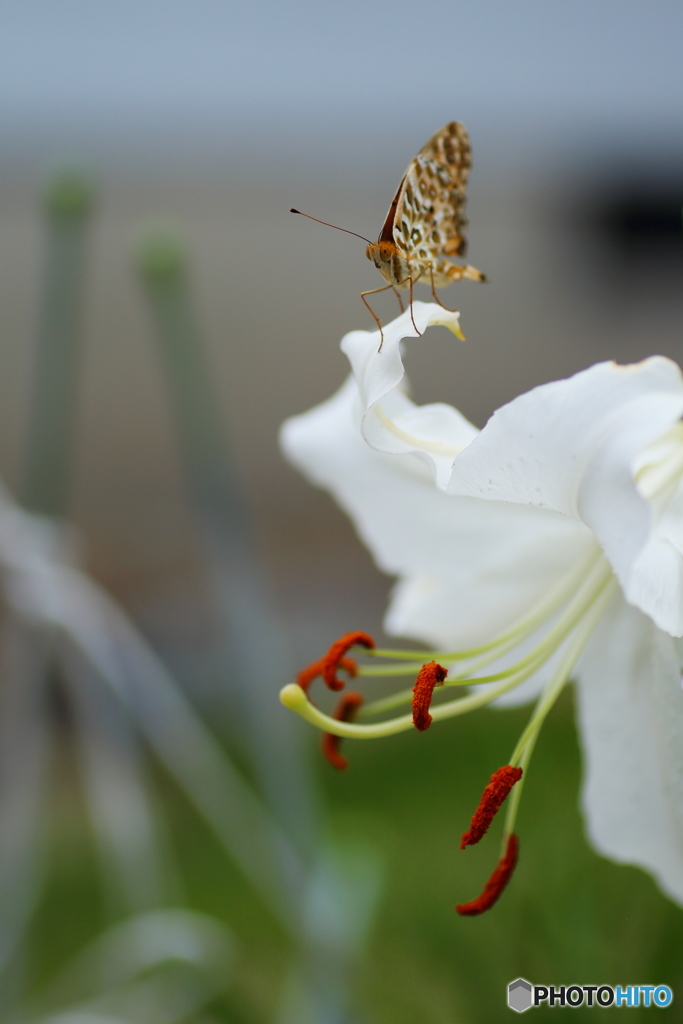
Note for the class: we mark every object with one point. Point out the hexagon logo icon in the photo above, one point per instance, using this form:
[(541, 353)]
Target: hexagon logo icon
[(519, 995)]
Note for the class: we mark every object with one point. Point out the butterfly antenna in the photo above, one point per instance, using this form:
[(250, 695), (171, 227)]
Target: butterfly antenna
[(292, 210)]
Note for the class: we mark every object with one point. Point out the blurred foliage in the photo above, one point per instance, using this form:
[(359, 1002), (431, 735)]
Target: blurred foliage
[(69, 194), (567, 917), (162, 255)]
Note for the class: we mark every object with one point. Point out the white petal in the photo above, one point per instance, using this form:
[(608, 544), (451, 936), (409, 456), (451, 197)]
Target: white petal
[(655, 584), (468, 568), (631, 721), (571, 445), (390, 422)]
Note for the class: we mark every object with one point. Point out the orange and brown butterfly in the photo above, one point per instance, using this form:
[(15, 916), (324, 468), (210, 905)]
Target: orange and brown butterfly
[(426, 221)]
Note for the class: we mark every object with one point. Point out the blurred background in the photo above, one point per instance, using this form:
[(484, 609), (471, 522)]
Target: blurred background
[(186, 131)]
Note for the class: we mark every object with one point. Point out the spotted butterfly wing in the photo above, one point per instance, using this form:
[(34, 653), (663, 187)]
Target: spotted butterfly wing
[(426, 221)]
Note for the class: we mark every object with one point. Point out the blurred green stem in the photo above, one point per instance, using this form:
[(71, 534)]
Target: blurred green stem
[(164, 272), (255, 651), (49, 455)]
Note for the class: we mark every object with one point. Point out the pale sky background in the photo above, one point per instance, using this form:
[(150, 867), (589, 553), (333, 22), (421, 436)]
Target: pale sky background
[(205, 76)]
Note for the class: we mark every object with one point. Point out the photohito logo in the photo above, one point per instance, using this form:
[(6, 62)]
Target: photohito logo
[(522, 995)]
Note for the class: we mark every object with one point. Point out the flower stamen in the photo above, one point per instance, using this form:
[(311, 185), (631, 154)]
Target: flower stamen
[(496, 884), (334, 659), (492, 798), (307, 675), (344, 712), (430, 675)]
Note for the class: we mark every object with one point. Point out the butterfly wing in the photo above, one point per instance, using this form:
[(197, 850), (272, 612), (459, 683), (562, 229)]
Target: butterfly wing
[(426, 219)]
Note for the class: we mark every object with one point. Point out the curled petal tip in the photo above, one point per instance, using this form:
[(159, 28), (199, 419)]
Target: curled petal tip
[(452, 322)]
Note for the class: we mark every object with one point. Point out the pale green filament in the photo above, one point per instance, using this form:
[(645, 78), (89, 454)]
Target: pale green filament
[(294, 698), (597, 579), (546, 607), (583, 596), (525, 667), (581, 614), (522, 752)]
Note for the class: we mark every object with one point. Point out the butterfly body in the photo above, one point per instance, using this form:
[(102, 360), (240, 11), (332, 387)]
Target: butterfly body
[(396, 268)]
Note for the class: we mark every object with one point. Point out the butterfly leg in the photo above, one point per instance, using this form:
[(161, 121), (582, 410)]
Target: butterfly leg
[(419, 333), (373, 291), (436, 297), (400, 300)]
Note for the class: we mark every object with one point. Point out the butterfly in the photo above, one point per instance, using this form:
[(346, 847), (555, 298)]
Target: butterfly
[(426, 221)]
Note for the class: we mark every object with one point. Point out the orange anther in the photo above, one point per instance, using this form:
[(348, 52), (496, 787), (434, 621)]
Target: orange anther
[(430, 675), (493, 796), (311, 672), (345, 710), (334, 657), (496, 883)]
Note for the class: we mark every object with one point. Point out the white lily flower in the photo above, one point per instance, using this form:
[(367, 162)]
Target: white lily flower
[(547, 546)]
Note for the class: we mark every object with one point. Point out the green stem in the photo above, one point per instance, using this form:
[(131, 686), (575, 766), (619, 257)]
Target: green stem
[(46, 484)]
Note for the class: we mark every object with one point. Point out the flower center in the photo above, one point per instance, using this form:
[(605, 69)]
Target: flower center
[(554, 633), (565, 616)]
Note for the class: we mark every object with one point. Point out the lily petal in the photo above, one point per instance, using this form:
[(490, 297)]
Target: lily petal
[(571, 445), (390, 422), (631, 719), (655, 584), (467, 568)]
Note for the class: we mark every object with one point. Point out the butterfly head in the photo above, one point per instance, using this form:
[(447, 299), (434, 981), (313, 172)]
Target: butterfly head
[(388, 260)]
